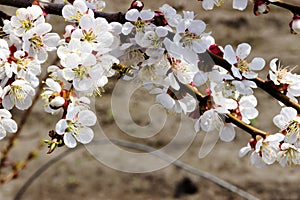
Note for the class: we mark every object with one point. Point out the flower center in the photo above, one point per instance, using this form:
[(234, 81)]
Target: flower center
[(36, 41), (89, 36), (139, 24), (16, 90), (188, 38), (26, 24), (243, 65), (81, 72)]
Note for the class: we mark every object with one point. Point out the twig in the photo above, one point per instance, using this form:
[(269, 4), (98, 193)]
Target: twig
[(143, 148), (21, 165), (56, 9), (293, 8), (253, 131), (23, 121)]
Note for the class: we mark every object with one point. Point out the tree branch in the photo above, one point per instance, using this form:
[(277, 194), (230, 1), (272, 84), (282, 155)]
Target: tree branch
[(56, 9), (293, 8)]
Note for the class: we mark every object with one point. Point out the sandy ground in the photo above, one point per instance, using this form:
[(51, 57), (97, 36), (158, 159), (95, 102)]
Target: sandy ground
[(80, 176)]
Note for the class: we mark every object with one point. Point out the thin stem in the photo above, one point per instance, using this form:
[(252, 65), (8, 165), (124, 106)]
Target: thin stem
[(23, 121), (246, 127), (21, 165), (293, 8), (253, 131), (14, 136), (56, 9)]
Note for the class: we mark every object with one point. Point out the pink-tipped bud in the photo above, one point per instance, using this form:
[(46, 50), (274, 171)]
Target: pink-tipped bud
[(137, 5), (261, 7), (295, 24)]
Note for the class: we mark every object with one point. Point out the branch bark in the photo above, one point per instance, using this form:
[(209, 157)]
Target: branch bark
[(56, 9)]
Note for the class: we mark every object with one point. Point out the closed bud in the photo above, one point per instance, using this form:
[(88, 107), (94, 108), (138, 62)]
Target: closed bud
[(137, 5), (295, 25)]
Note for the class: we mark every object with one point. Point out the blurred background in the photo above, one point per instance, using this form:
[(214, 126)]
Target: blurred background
[(79, 175)]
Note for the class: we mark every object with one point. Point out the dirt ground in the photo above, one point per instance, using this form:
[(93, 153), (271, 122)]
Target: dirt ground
[(79, 175)]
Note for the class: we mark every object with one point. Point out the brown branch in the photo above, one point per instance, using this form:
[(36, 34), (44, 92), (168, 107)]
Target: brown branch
[(293, 8), (260, 83), (253, 131), (20, 165), (56, 9), (14, 136)]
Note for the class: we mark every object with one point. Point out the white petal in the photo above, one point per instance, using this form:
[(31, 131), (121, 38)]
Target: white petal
[(243, 151), (269, 155), (147, 14), (85, 135), (273, 64), (243, 50), (236, 72), (87, 118), (61, 126), (9, 125), (239, 4), (132, 15), (51, 39), (227, 133), (229, 54), (200, 78), (5, 113), (165, 100), (127, 27), (69, 140), (257, 64), (197, 27), (161, 31), (86, 22), (256, 160), (2, 133)]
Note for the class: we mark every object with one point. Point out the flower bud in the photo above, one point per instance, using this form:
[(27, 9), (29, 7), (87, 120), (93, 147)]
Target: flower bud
[(137, 5), (261, 7), (57, 102), (295, 25)]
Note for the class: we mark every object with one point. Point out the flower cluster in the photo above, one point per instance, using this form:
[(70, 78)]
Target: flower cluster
[(283, 147), (166, 52), (24, 46)]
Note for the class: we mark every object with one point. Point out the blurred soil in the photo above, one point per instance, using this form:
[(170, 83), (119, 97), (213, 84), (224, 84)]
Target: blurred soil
[(80, 176)]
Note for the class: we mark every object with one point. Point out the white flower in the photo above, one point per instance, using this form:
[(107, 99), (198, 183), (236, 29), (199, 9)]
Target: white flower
[(288, 121), (264, 151), (279, 74), (52, 96), (26, 67), (37, 41), (76, 127), (288, 155), (18, 94), (212, 121), (6, 123), (240, 67), (247, 108), (73, 13), (138, 20), (24, 20), (171, 15), (190, 34), (94, 33), (173, 103)]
